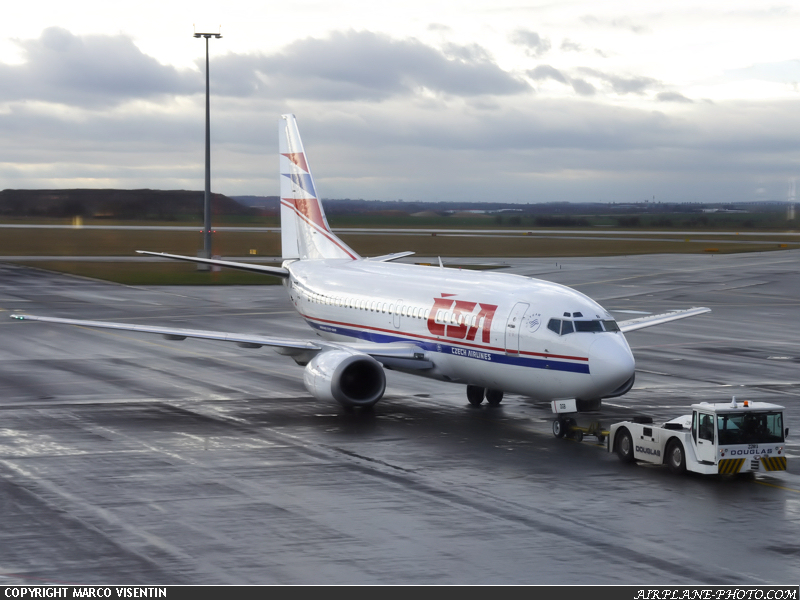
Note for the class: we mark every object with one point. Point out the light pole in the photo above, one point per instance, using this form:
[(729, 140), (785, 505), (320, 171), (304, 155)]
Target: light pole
[(206, 252)]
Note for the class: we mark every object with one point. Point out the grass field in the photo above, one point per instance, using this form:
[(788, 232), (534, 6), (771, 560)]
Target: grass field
[(81, 242)]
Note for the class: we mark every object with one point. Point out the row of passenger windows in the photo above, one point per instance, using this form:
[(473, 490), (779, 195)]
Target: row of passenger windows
[(563, 326), (370, 305)]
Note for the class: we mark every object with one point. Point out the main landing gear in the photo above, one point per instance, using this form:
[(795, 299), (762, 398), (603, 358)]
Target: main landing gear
[(476, 394)]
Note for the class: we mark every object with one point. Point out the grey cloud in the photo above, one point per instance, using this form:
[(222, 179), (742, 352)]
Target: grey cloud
[(672, 97), (583, 87), (471, 53), (543, 147), (570, 46), (534, 44), (97, 71), (622, 85), (363, 65), (439, 27), (580, 86), (547, 72), (89, 71)]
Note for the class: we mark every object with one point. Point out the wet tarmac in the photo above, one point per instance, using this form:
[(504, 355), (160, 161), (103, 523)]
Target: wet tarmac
[(126, 458)]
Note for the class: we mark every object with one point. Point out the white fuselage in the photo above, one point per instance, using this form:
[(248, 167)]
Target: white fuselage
[(485, 329)]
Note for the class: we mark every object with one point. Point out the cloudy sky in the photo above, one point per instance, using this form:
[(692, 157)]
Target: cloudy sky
[(522, 101)]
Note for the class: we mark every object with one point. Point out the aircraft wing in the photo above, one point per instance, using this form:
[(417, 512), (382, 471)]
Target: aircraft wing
[(397, 355), (276, 271), (650, 320)]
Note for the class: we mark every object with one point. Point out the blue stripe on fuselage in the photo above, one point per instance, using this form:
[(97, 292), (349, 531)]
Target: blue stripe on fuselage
[(506, 359)]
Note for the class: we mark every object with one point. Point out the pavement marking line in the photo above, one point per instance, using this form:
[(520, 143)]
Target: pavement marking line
[(780, 487)]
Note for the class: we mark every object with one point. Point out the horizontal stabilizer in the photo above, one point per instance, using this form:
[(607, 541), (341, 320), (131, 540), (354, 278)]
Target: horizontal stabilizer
[(276, 271), (391, 257), (651, 320)]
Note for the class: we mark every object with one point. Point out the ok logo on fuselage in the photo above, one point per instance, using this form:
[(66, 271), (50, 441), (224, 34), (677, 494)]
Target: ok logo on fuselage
[(460, 319)]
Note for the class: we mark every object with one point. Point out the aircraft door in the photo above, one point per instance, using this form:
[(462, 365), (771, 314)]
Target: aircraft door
[(514, 327), (396, 314)]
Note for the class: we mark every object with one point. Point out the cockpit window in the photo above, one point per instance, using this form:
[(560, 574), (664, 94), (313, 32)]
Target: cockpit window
[(564, 326), (555, 326), (588, 326)]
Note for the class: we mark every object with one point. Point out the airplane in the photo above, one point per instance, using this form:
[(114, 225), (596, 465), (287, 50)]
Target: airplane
[(495, 333)]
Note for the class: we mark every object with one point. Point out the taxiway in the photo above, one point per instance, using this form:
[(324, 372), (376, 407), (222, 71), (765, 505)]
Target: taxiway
[(126, 458)]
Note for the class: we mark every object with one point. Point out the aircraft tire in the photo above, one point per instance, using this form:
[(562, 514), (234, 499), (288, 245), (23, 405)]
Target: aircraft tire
[(559, 428), (624, 446), (475, 394), (676, 457), (577, 435), (494, 397)]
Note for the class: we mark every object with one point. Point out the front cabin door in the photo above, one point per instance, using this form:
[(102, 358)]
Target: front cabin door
[(514, 326)]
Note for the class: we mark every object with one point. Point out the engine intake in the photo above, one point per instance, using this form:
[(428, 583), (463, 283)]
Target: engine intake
[(349, 378)]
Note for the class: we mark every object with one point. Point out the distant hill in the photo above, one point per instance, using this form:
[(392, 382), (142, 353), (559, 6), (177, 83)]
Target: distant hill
[(164, 205)]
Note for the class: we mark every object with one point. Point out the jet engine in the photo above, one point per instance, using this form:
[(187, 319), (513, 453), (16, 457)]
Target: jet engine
[(350, 378)]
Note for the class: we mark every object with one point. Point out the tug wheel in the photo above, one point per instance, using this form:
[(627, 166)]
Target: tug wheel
[(676, 458), (625, 446)]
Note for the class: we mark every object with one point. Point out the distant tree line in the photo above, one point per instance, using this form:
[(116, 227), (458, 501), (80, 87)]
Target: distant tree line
[(162, 205)]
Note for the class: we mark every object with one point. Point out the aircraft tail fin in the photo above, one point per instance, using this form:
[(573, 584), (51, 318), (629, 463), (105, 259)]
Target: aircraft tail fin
[(305, 233)]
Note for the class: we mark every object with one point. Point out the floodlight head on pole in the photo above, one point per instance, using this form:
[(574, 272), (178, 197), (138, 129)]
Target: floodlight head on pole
[(218, 35)]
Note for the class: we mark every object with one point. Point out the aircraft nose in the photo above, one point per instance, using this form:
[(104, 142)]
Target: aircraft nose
[(611, 363)]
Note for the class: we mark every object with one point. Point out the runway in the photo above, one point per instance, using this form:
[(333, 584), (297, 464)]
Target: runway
[(126, 458)]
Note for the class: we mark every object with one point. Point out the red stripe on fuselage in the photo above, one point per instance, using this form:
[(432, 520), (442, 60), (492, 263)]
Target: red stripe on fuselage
[(438, 339)]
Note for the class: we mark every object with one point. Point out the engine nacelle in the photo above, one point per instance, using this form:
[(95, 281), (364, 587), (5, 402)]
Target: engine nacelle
[(350, 378)]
